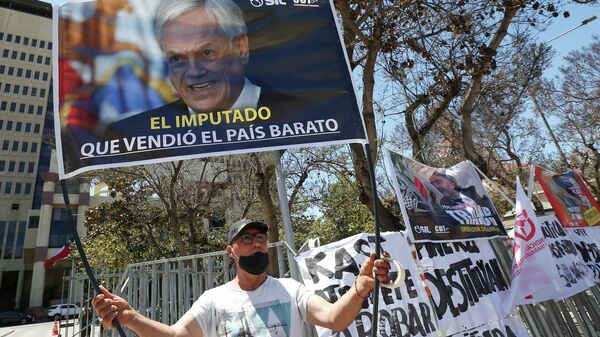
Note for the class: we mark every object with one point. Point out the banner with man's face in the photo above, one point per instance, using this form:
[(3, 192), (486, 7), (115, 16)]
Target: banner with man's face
[(145, 81), (445, 204), (571, 200)]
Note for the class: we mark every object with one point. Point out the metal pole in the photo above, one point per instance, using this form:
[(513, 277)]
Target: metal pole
[(371, 166), (84, 260), (285, 216)]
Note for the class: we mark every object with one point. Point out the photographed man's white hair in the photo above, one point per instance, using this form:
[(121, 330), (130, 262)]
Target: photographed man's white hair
[(225, 13)]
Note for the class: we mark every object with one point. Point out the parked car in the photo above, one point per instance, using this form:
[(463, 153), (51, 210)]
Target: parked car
[(13, 317), (58, 311)]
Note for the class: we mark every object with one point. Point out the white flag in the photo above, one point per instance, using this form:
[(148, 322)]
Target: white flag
[(533, 265)]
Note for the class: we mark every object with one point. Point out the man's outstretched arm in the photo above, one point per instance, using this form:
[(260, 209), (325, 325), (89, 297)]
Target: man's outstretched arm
[(109, 306), (339, 315)]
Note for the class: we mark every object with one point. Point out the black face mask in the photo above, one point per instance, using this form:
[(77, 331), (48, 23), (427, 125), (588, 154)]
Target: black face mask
[(255, 264)]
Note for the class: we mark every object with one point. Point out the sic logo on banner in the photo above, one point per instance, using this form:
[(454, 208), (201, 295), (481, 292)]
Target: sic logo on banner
[(259, 3)]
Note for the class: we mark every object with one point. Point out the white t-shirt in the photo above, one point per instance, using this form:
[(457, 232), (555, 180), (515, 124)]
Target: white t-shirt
[(276, 308)]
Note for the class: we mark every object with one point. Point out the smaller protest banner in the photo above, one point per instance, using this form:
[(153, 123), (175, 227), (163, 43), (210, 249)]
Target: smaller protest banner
[(440, 204), (465, 281), (531, 257), (587, 243), (572, 274), (570, 198), (330, 270)]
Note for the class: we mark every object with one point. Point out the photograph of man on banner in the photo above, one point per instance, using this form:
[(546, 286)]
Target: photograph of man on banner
[(570, 198), (442, 204), (220, 77)]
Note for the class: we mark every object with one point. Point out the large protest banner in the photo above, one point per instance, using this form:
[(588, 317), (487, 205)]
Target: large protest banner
[(144, 81), (587, 243), (442, 204), (570, 198), (463, 278)]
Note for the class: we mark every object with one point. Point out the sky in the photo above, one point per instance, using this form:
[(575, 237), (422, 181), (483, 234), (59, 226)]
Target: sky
[(574, 40)]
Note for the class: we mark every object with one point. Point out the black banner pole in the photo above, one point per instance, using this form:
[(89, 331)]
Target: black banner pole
[(84, 260), (371, 167)]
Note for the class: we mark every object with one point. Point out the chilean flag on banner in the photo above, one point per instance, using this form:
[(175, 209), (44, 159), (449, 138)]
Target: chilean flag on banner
[(533, 265), (62, 253)]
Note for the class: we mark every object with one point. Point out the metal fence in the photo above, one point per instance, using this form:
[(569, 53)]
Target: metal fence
[(165, 289)]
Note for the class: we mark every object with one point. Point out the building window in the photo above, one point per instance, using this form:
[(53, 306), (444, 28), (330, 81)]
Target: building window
[(7, 187), (15, 146), (18, 126), (9, 37), (3, 105), (16, 89), (11, 166), (21, 167), (5, 53), (34, 147), (36, 129), (13, 107), (30, 167), (60, 229), (40, 58), (10, 240), (49, 45), (20, 240), (28, 73), (42, 93), (25, 91), (1, 38), (42, 44), (2, 165), (33, 92), (27, 127), (2, 69), (24, 147), (26, 41), (47, 61), (30, 109), (45, 77), (22, 108), (17, 38), (36, 75), (31, 58), (23, 56), (40, 110), (11, 71), (14, 54), (34, 43), (27, 191), (1, 124), (9, 125), (6, 87), (18, 188), (5, 145), (20, 72)]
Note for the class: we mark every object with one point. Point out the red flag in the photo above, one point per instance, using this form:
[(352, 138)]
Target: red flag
[(62, 253)]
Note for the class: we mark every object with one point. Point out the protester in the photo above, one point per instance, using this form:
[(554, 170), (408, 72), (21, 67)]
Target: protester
[(253, 303)]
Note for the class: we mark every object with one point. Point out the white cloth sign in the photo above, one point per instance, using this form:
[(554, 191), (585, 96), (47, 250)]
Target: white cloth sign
[(587, 243), (466, 283), (531, 257), (511, 326), (330, 271)]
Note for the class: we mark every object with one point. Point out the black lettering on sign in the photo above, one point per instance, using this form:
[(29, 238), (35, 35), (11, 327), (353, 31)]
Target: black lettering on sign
[(560, 248), (406, 321), (471, 280), (580, 232), (365, 247), (344, 263), (495, 332), (553, 229), (443, 249), (589, 252), (313, 267)]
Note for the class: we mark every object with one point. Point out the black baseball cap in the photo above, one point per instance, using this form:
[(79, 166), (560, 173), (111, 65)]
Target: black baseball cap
[(240, 225)]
